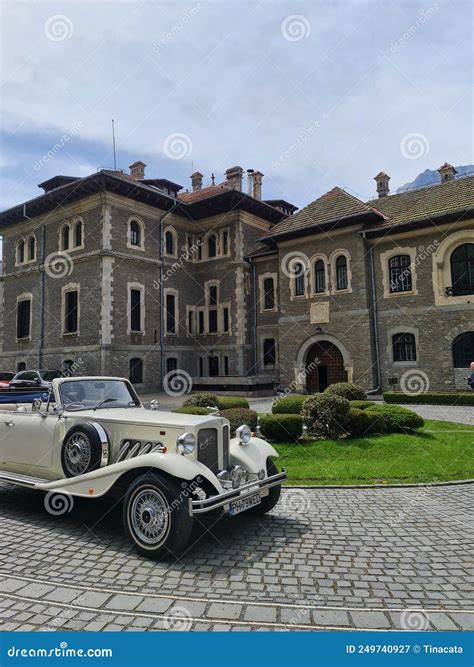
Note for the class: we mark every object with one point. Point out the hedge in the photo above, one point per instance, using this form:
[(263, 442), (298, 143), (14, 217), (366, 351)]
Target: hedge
[(289, 405), (430, 398), (192, 410), (229, 402), (202, 399), (361, 405), (281, 427), (239, 416), (365, 422), (326, 415), (348, 390), (397, 419)]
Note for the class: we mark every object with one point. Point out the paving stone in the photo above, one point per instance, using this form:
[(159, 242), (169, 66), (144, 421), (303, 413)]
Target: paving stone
[(123, 602), (370, 619), (224, 611), (260, 614)]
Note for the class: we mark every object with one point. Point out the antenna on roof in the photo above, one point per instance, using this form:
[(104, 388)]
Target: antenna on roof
[(113, 144)]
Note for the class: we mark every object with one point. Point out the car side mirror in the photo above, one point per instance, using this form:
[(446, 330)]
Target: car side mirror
[(36, 405)]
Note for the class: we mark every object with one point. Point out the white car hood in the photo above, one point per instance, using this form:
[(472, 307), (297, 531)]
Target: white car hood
[(144, 417)]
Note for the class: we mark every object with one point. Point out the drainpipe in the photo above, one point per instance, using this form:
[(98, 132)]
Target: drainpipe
[(373, 316), (254, 307), (41, 297), (162, 292)]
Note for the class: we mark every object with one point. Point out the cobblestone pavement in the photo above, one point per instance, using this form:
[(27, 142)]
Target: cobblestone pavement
[(324, 558)]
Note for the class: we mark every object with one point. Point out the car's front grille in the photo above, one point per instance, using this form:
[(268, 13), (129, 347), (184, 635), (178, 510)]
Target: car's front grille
[(207, 452), (225, 448)]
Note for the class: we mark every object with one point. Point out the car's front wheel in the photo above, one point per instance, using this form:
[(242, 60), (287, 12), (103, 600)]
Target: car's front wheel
[(156, 517)]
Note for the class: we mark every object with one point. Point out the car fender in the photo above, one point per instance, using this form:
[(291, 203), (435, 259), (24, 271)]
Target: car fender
[(98, 482), (252, 456)]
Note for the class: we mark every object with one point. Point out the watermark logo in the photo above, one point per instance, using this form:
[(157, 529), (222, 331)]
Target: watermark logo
[(296, 27), (295, 264), (58, 28), (301, 139), (415, 620), (414, 382), (58, 504), (58, 265), (178, 620), (59, 145), (414, 146), (177, 146), (424, 15), (296, 502), (177, 383)]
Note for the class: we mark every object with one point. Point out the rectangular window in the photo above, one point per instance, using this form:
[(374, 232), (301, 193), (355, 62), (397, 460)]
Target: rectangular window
[(213, 295), (269, 352), (404, 347), (201, 322), (269, 294), (135, 310), (213, 366), (201, 367), (213, 321), (190, 321), (23, 317), (225, 320), (225, 242), (170, 314), (226, 365), (70, 311), (199, 250)]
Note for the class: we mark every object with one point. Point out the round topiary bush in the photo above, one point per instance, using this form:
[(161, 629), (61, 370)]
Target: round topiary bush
[(396, 418), (361, 405), (281, 428), (202, 399), (239, 416), (229, 402), (291, 404), (192, 410), (353, 392), (326, 415), (363, 422)]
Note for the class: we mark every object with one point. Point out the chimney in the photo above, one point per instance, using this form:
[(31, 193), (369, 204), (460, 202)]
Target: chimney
[(382, 180), (196, 180), (447, 172), (249, 181), (257, 184), (137, 169), (233, 177)]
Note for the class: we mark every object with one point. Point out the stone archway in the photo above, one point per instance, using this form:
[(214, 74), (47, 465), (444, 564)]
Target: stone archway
[(322, 360)]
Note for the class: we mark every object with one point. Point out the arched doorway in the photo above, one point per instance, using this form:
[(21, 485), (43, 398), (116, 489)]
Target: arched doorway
[(324, 366)]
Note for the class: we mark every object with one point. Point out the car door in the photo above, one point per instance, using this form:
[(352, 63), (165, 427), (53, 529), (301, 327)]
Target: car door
[(27, 439)]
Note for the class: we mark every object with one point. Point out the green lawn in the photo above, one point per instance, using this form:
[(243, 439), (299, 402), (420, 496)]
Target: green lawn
[(440, 451)]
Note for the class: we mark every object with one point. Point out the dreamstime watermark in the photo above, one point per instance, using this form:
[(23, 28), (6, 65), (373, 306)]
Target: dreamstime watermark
[(402, 281), (424, 15), (295, 264), (414, 382), (187, 255), (58, 504), (177, 146), (178, 620), (415, 620), (414, 146), (58, 28), (176, 29), (177, 383), (58, 265), (59, 145), (302, 138), (296, 27), (296, 502)]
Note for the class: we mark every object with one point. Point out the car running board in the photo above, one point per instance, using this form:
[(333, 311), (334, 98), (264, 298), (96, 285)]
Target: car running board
[(22, 480)]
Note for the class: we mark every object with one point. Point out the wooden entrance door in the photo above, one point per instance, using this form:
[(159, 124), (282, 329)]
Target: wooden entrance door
[(324, 366)]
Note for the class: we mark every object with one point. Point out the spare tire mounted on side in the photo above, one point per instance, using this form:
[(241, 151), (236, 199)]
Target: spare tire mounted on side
[(85, 448)]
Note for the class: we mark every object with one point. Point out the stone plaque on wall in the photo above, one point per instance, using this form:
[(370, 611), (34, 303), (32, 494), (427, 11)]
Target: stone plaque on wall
[(319, 312)]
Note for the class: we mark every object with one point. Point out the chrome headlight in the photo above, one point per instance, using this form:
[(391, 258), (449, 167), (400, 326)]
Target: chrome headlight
[(244, 433), (238, 476), (186, 442)]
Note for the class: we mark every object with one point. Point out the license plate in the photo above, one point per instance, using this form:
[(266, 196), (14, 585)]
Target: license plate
[(242, 504)]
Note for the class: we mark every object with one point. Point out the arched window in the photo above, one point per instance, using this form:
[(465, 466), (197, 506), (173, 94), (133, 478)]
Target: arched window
[(78, 234), (135, 374), (31, 248), (21, 366), (462, 270), (400, 274), (463, 350), (65, 237), (68, 365), (20, 252), (298, 277), (404, 347), (169, 243), (212, 246), (268, 294), (341, 272), (135, 233), (319, 277)]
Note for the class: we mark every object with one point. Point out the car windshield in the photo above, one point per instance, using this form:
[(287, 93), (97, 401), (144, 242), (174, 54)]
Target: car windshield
[(48, 376), (97, 394), (6, 376)]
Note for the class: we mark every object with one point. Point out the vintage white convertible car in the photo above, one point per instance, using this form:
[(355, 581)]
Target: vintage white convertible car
[(93, 437)]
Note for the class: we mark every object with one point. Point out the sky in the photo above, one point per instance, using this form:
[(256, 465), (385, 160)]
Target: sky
[(313, 94)]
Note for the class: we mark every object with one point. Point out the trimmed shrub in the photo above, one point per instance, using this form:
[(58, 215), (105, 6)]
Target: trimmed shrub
[(192, 410), (430, 398), (281, 427), (326, 415), (229, 402), (397, 419), (364, 422), (353, 392), (202, 399), (239, 416), (361, 405), (288, 405)]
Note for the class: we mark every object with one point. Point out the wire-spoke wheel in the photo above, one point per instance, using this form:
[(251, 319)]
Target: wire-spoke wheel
[(156, 516), (81, 450)]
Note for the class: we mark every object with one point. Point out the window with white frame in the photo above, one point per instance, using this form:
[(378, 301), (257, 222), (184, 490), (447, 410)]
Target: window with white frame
[(23, 316), (171, 312), (170, 242), (136, 308), (70, 309), (135, 234)]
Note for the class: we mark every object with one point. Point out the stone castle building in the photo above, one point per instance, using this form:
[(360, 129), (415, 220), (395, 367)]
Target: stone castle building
[(121, 274)]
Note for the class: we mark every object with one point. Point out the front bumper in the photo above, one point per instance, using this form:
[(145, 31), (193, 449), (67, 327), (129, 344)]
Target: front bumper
[(223, 499)]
